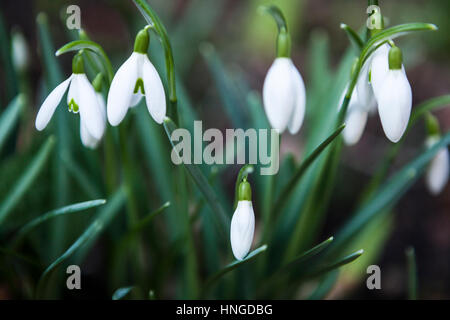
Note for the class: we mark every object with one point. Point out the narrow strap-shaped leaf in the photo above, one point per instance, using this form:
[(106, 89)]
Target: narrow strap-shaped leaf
[(353, 36), (26, 180), (152, 19), (202, 183), (73, 208), (9, 118), (140, 225), (228, 94), (87, 184), (325, 286), (392, 33), (388, 193), (230, 267), (86, 238), (412, 273), (307, 255), (122, 292), (91, 46), (287, 190), (339, 263), (417, 113)]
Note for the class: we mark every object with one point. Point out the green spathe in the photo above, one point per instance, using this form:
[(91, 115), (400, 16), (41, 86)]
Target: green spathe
[(141, 42), (245, 191)]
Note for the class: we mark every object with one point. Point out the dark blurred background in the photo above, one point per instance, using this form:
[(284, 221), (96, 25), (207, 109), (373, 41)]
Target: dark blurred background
[(245, 40)]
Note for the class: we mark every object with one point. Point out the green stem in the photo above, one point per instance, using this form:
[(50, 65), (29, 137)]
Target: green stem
[(128, 176), (153, 20)]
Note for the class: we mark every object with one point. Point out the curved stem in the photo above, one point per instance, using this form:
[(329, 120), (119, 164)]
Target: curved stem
[(276, 14), (153, 20)]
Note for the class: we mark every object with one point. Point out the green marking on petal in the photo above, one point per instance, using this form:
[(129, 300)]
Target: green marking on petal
[(73, 107), (139, 84)]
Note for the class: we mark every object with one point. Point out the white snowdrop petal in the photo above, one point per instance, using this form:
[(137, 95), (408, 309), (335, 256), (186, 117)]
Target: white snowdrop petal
[(90, 112), (102, 105), (86, 138), (279, 94), (50, 104), (365, 93), (394, 104), (135, 99), (355, 121), (242, 229), (379, 68), (154, 91), (121, 90), (437, 173), (298, 114)]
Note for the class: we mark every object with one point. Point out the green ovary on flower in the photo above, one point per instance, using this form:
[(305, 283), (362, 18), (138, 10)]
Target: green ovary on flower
[(139, 85)]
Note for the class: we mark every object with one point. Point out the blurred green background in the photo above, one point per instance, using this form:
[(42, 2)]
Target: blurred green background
[(245, 41)]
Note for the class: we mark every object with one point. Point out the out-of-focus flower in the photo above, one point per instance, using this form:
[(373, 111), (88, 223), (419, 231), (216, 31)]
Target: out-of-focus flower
[(19, 51), (136, 78), (438, 170), (355, 120)]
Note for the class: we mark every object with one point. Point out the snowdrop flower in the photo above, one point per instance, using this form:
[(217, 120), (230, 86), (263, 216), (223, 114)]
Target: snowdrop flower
[(437, 173), (19, 51), (438, 170), (284, 93), (394, 97), (81, 98), (356, 119), (243, 222), (136, 78)]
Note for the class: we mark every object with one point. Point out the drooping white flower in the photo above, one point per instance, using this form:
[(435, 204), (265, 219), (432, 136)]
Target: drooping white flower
[(19, 50), (136, 78), (379, 68), (437, 173), (355, 120), (82, 99), (242, 223), (284, 96), (394, 97)]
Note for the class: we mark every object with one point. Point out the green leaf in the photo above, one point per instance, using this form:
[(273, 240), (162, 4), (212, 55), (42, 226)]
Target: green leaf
[(307, 255), (412, 273), (325, 286), (9, 118), (388, 194), (89, 235), (224, 83), (339, 263), (122, 292), (140, 225), (26, 180), (203, 184), (91, 46), (290, 187), (73, 208), (392, 33), (152, 19), (383, 169), (230, 267), (353, 36)]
